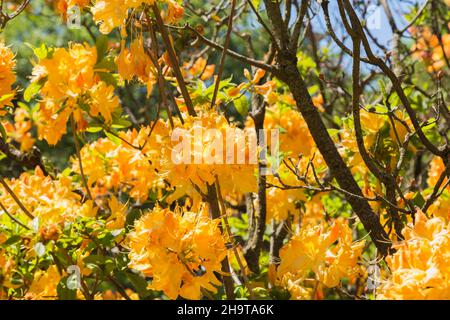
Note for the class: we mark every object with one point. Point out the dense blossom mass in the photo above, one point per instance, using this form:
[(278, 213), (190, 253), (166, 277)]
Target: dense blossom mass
[(420, 265), (7, 78), (169, 149), (181, 251)]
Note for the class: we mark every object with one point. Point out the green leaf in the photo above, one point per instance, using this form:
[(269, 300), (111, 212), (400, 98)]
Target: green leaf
[(101, 43), (382, 86), (418, 200), (3, 132), (121, 124), (431, 123), (107, 63), (41, 52), (313, 89), (333, 132), (139, 283), (305, 63), (256, 3), (32, 90), (113, 138), (109, 78), (12, 240), (64, 293), (132, 216), (94, 129), (223, 84), (6, 97), (66, 172), (95, 259), (241, 104)]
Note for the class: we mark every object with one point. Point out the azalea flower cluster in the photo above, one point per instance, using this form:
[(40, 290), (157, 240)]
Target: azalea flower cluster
[(419, 268), (51, 201), (127, 165), (115, 213), (44, 284), (152, 160), (70, 85), (328, 252), (41, 213), (110, 14), (181, 251), (429, 49), (372, 123), (134, 62), (206, 162), (293, 129), (7, 77), (286, 198), (440, 207)]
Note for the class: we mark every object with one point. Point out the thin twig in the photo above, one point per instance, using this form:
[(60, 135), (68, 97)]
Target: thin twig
[(12, 217), (173, 60), (80, 162), (224, 53)]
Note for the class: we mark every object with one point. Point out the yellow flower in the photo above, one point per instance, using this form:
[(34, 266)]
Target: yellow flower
[(174, 13), (20, 130), (52, 201), (200, 69), (441, 206), (135, 62), (44, 284), (7, 266), (104, 101), (297, 290), (70, 72), (121, 167), (51, 125), (157, 166), (7, 77), (117, 218), (109, 14), (207, 161), (70, 86), (179, 250), (292, 128), (434, 172), (125, 63), (419, 267), (313, 250)]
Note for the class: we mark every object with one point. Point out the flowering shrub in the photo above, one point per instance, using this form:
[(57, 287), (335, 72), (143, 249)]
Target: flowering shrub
[(168, 149)]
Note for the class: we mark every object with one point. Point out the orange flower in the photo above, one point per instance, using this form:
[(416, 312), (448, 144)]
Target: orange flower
[(429, 50), (135, 62), (174, 13), (70, 86), (109, 14), (313, 250), (20, 129), (419, 267), (104, 101), (181, 251), (7, 77)]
